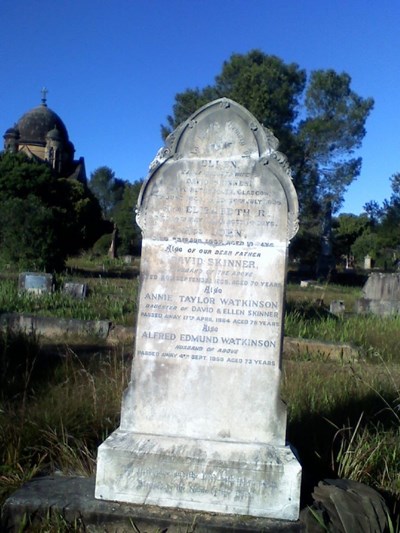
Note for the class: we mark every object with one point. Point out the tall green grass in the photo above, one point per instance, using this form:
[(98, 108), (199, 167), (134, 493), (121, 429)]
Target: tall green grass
[(378, 338), (108, 299), (343, 419), (325, 292), (55, 417)]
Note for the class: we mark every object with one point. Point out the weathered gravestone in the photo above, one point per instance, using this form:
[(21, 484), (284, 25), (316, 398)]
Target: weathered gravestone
[(381, 295), (76, 290), (202, 423), (367, 262), (35, 283)]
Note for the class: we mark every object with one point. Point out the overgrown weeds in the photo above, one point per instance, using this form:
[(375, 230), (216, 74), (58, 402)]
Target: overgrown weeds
[(344, 422), (108, 299), (56, 425), (377, 338), (343, 419)]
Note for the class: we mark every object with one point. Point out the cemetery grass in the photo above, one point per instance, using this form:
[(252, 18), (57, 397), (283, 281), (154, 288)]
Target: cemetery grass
[(54, 412), (343, 419), (307, 316), (112, 292)]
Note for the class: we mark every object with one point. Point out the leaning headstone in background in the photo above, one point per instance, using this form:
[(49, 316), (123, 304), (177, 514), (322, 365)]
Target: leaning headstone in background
[(112, 251), (381, 295), (202, 424), (35, 283), (326, 260)]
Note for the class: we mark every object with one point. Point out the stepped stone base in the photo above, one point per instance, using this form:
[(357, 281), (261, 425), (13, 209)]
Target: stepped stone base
[(213, 476)]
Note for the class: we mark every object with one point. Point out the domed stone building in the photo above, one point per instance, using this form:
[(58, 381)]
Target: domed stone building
[(41, 134)]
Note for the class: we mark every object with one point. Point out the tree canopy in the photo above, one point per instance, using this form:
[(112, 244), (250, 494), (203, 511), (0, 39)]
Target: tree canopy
[(375, 232), (319, 120), (387, 224), (129, 233), (347, 229), (117, 199), (107, 188), (332, 130), (43, 218)]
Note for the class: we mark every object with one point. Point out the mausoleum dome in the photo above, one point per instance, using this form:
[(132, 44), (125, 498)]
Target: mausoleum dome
[(40, 133), (34, 125)]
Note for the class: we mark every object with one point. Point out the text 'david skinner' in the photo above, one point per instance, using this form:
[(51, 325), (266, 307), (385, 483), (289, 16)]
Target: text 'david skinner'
[(210, 296)]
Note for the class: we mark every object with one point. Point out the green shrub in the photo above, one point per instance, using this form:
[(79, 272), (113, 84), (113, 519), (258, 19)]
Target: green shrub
[(102, 245)]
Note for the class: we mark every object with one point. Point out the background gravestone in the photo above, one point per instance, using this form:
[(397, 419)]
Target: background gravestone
[(35, 282), (202, 423), (381, 295), (76, 290), (367, 262)]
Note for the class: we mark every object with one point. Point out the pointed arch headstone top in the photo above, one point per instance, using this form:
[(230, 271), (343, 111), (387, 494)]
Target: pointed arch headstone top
[(225, 132), (229, 121)]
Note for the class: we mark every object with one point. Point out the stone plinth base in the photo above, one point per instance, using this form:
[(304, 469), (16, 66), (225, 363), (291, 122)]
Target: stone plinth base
[(72, 498), (213, 476)]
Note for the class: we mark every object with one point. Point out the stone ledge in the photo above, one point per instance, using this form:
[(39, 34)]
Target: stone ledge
[(332, 351), (112, 334), (73, 498), (51, 327)]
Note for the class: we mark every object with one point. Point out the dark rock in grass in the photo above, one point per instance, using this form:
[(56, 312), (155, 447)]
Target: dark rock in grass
[(345, 506)]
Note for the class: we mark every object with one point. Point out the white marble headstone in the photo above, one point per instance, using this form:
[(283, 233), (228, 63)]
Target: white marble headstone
[(202, 423)]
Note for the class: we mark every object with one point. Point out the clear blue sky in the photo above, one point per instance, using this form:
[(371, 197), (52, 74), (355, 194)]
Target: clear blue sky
[(113, 67)]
